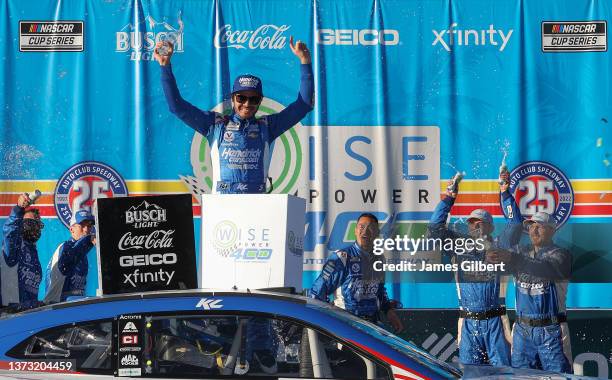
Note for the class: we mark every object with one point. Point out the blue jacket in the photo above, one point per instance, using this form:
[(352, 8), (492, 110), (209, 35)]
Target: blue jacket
[(362, 290), (20, 268), (477, 291), (240, 149), (541, 277), (67, 270)]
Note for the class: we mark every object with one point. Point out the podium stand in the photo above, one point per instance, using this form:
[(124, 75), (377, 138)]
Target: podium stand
[(252, 241)]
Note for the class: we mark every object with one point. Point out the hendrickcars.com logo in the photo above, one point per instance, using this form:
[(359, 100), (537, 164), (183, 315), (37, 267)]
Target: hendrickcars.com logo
[(46, 36), (574, 36)]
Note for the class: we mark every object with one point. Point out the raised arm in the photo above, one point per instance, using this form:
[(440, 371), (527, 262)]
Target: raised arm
[(293, 113), (437, 223), (72, 252), (194, 117), (12, 231), (511, 235)]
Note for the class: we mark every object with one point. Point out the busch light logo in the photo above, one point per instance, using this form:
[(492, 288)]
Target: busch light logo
[(268, 36), (145, 215), (139, 40), (540, 186)]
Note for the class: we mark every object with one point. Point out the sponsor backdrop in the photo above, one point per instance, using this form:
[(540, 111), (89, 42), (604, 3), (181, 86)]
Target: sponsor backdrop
[(146, 243), (407, 93)]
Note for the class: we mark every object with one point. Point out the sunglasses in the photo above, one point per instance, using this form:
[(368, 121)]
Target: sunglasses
[(255, 99)]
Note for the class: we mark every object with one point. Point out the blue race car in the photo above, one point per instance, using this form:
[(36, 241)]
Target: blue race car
[(202, 334), (205, 334)]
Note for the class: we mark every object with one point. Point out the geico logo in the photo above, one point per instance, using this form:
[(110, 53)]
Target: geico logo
[(154, 259), (365, 37)]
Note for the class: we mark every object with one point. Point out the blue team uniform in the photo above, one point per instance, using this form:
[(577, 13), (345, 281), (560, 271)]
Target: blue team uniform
[(359, 289), (67, 270), (20, 268), (240, 149), (481, 295), (541, 289)]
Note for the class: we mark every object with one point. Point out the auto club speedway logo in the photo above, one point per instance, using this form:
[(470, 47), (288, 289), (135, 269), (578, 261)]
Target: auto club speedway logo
[(540, 186), (285, 164), (139, 40), (82, 184)]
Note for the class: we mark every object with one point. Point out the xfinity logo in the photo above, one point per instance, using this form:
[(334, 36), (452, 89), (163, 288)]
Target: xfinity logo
[(364, 37), (465, 37)]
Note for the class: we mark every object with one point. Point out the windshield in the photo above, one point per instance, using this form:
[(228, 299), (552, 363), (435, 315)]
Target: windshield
[(393, 341)]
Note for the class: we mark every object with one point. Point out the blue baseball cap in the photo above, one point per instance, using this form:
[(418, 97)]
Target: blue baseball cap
[(247, 82), (81, 216)]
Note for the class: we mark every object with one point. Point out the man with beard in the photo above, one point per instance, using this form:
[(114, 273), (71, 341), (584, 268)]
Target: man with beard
[(67, 270), (348, 272), (19, 266), (540, 335), (240, 143), (484, 330)]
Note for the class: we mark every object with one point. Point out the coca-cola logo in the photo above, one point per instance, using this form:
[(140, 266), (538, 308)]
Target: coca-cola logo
[(268, 36), (155, 239)]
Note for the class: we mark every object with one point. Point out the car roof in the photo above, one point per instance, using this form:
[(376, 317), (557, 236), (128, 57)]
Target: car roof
[(261, 293), (329, 318)]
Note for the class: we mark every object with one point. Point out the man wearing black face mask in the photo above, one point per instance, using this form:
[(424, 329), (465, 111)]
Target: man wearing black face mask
[(19, 265)]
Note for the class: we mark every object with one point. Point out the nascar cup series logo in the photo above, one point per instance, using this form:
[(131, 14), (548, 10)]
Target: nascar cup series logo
[(540, 186), (285, 165), (83, 183), (139, 40), (268, 36)]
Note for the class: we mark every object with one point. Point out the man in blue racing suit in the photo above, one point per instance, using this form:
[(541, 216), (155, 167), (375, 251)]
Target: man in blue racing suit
[(483, 325), (20, 270), (241, 150), (349, 273), (240, 143), (68, 267), (540, 335)]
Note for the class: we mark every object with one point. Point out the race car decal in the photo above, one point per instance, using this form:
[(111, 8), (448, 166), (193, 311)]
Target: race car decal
[(208, 304), (400, 371)]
